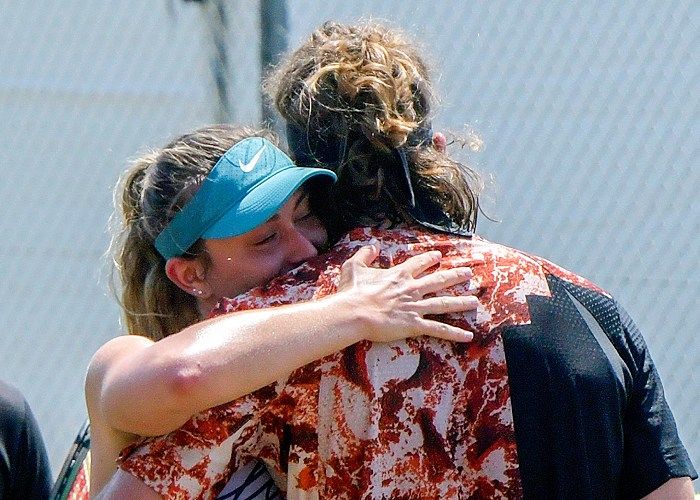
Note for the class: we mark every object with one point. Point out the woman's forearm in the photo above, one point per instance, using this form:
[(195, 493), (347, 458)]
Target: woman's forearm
[(156, 389)]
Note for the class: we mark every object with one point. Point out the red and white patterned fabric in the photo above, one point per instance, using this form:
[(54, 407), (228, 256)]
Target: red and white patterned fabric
[(81, 487), (421, 418)]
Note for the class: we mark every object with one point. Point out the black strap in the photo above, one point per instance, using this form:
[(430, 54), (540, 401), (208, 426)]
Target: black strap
[(73, 463)]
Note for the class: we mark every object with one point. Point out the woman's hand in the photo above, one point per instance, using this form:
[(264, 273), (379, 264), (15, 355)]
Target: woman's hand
[(393, 300)]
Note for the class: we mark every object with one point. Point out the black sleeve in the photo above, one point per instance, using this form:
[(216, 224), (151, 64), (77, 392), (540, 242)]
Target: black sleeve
[(653, 451), (25, 467)]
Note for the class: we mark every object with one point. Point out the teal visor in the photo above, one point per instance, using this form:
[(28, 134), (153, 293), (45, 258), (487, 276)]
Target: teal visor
[(247, 186)]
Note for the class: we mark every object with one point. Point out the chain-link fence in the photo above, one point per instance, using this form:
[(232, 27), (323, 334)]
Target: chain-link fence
[(588, 111)]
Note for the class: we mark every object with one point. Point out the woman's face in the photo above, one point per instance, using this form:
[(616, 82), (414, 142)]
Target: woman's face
[(243, 262)]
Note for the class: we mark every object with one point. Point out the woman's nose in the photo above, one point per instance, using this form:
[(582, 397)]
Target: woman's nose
[(299, 247)]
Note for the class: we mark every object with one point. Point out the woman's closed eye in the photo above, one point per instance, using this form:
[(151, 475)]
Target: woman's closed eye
[(266, 239)]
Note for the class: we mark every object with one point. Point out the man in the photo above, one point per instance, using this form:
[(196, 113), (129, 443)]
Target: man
[(557, 396)]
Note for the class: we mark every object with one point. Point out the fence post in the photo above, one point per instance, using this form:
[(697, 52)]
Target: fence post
[(274, 31)]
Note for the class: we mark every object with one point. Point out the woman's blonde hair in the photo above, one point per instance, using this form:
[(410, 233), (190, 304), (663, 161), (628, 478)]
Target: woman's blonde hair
[(150, 192), (367, 85)]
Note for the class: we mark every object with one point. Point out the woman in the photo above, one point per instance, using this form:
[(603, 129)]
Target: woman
[(215, 213), (557, 398)]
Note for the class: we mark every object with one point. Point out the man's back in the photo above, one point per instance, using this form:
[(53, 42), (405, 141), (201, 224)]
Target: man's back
[(556, 396)]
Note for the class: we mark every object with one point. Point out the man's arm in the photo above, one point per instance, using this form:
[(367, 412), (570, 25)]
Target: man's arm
[(124, 485), (653, 449), (677, 488)]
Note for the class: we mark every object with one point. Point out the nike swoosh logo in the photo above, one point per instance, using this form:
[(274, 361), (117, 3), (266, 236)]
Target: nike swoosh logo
[(247, 167)]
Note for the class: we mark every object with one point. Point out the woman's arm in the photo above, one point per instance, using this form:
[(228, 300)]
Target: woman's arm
[(149, 388)]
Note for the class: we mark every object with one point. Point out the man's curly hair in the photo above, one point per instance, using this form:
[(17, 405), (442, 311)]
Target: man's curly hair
[(368, 84)]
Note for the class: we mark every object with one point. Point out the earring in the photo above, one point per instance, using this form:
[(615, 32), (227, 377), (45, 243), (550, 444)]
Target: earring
[(198, 292)]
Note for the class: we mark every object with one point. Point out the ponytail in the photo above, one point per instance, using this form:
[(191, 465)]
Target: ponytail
[(152, 305)]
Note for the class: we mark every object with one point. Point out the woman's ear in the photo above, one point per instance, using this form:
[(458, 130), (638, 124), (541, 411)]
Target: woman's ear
[(189, 275)]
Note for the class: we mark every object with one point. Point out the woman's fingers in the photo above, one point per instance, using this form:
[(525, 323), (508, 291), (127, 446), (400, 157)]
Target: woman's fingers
[(441, 279), (446, 304), (445, 331), (395, 298), (364, 256), (418, 264)]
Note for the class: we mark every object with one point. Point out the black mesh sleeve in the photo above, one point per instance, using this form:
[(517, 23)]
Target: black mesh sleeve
[(653, 450)]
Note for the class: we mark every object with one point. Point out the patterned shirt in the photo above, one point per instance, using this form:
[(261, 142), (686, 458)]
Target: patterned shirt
[(556, 396)]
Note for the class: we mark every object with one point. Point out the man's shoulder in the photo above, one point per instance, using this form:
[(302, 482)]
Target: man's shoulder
[(504, 254)]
